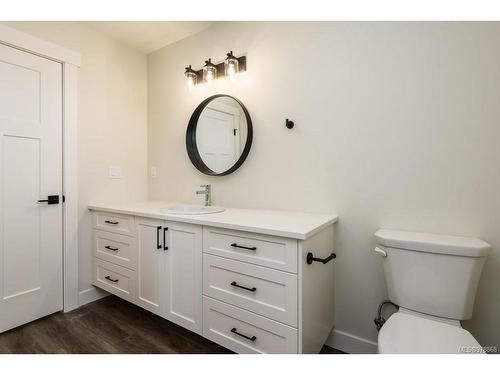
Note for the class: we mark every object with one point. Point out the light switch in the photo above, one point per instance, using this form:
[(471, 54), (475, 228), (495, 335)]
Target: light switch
[(153, 172), (115, 172)]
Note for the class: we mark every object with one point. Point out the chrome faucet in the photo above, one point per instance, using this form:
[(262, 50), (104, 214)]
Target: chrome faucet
[(208, 194)]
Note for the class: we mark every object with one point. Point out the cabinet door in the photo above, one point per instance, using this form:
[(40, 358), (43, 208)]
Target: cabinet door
[(149, 263), (182, 284)]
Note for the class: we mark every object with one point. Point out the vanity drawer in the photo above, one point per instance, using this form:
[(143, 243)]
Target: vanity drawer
[(269, 251), (245, 332), (115, 279), (115, 248), (259, 289), (116, 223)]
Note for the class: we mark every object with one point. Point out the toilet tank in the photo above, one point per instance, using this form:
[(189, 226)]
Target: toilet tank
[(430, 273)]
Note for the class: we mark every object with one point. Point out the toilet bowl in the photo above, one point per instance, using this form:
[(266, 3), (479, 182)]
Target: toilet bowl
[(433, 278), (407, 333)]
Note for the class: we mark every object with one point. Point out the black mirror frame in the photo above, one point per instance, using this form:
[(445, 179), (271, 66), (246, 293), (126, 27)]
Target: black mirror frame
[(192, 148)]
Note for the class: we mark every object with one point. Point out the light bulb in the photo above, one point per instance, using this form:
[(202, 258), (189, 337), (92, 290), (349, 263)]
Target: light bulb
[(190, 84), (209, 71), (210, 76), (231, 71)]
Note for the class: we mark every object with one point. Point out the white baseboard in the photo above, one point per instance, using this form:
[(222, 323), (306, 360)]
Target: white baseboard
[(350, 343), (90, 295)]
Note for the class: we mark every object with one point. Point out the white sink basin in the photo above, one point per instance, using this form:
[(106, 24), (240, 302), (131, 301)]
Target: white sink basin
[(187, 209)]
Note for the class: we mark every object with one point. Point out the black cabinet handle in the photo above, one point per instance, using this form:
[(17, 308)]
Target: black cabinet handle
[(234, 283), (253, 338), (111, 248), (243, 247), (111, 222), (112, 280), (165, 247), (158, 244), (310, 258)]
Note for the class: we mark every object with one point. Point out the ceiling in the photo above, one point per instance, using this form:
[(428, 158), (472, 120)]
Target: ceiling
[(151, 35)]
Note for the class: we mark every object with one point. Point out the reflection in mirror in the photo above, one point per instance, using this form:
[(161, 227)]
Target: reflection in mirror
[(221, 133)]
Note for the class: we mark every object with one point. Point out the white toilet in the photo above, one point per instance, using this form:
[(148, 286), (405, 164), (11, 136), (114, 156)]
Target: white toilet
[(433, 279)]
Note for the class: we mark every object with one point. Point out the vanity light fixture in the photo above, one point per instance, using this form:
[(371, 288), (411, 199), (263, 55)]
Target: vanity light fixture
[(231, 65), (210, 71), (191, 77)]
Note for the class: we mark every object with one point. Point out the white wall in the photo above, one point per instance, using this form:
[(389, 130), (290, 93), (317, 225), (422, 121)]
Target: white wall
[(397, 126), (112, 120)]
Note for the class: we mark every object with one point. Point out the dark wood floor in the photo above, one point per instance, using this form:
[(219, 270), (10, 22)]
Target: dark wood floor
[(110, 325)]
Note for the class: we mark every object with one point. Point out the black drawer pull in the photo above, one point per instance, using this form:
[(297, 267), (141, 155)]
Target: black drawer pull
[(158, 244), (165, 247), (112, 222), (310, 258), (253, 338), (111, 248), (234, 283), (112, 280), (244, 247)]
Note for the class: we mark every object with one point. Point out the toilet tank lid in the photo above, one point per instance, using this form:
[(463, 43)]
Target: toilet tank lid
[(433, 243)]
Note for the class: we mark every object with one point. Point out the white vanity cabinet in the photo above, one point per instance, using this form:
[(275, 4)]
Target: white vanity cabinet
[(249, 288), (165, 275)]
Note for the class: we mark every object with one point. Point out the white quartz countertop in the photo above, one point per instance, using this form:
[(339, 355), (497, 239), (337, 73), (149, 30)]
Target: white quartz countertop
[(276, 223)]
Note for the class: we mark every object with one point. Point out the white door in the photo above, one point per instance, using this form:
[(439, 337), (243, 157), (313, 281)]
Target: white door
[(217, 139), (30, 170), (182, 276), (149, 263)]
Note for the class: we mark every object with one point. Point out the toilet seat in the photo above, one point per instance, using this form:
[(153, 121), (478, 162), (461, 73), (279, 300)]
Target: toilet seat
[(411, 334)]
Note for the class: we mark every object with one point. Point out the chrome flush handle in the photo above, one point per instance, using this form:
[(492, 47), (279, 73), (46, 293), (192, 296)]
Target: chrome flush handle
[(378, 250)]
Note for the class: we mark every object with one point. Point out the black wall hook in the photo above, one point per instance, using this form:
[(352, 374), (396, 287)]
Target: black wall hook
[(289, 124)]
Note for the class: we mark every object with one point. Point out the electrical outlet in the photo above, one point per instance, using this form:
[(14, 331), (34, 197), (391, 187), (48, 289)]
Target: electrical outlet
[(153, 172)]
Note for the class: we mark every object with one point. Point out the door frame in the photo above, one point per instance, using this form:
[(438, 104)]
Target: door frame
[(70, 62)]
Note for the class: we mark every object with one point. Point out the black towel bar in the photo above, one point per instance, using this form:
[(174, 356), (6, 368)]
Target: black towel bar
[(310, 258)]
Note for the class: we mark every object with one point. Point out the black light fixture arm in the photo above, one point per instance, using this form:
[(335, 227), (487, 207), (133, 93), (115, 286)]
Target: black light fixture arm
[(189, 69), (230, 55), (210, 63)]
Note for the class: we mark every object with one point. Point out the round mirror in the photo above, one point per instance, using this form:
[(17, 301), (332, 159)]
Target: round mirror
[(219, 135)]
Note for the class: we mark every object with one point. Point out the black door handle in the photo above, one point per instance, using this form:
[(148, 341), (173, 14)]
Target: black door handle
[(234, 283), (165, 247), (253, 338), (112, 280), (111, 248), (310, 258), (111, 222), (243, 247), (158, 244), (51, 199)]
